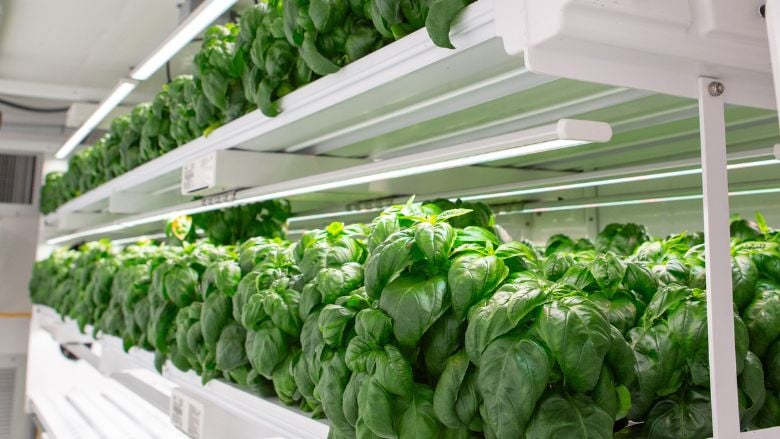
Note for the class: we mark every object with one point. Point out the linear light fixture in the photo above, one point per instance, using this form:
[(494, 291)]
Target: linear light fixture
[(635, 202), (193, 25), (118, 94), (326, 215), (613, 181), (65, 238), (566, 133), (134, 239)]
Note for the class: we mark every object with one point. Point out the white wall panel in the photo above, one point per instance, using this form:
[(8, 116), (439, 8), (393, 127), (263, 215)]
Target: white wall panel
[(18, 243)]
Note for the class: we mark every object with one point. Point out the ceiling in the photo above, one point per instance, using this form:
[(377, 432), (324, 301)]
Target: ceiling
[(53, 53), (88, 43)]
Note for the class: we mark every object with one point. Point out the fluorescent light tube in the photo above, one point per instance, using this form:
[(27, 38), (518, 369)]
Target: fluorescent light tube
[(118, 94), (636, 201), (612, 181), (193, 25)]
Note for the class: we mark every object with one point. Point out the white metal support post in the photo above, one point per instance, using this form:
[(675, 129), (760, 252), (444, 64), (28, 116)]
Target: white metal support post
[(720, 308), (771, 13)]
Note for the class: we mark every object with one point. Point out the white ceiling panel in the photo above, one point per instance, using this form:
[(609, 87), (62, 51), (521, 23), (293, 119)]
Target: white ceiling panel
[(80, 42)]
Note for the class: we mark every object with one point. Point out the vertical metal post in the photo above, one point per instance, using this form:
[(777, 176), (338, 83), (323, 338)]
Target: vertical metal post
[(720, 308), (772, 15)]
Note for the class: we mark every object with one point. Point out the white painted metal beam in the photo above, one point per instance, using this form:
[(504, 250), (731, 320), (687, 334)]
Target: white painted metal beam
[(717, 238), (772, 13)]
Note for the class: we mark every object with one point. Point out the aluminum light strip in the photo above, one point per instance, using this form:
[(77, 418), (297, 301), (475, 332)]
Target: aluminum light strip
[(193, 25), (118, 94), (636, 201), (612, 181)]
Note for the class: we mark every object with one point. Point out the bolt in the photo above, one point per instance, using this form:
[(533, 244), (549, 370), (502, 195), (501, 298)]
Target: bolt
[(716, 88), (762, 11)]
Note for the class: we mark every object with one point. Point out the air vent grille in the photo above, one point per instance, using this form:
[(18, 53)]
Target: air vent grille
[(7, 388), (17, 175)]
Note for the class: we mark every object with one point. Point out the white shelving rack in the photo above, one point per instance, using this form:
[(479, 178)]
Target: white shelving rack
[(111, 393), (676, 80)]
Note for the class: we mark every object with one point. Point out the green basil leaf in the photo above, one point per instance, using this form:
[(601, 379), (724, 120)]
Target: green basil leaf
[(512, 377), (414, 302), (564, 415), (578, 336), (472, 278)]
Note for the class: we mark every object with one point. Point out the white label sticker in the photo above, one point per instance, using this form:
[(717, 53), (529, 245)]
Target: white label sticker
[(187, 414), (195, 421), (198, 174), (178, 407)]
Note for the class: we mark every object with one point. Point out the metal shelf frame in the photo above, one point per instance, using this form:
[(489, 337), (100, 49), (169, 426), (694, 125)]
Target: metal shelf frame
[(716, 53), (228, 410)]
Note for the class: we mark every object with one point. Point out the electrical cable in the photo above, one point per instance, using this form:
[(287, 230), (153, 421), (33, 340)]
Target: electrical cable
[(32, 109), (168, 71)]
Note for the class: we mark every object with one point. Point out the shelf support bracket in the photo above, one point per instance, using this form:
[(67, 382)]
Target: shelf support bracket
[(720, 308)]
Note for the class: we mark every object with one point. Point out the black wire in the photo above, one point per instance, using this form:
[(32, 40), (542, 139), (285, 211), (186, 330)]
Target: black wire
[(24, 107), (168, 71)]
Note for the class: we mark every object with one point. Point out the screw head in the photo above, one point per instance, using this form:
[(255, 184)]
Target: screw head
[(716, 88)]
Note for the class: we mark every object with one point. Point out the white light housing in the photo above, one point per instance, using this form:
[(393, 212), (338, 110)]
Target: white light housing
[(118, 94), (339, 214), (193, 25), (83, 234), (565, 133), (613, 181), (134, 239)]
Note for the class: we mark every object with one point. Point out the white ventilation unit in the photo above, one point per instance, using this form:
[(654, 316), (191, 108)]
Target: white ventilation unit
[(17, 178), (14, 424), (7, 397)]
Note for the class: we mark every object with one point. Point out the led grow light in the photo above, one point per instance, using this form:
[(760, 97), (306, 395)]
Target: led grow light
[(613, 181), (633, 202), (118, 94), (566, 133), (134, 239), (104, 229), (193, 25), (325, 215)]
